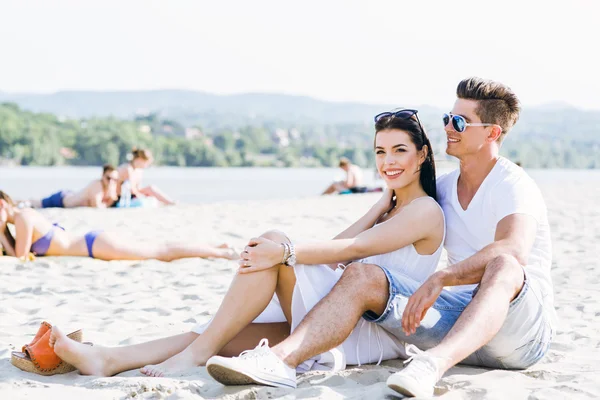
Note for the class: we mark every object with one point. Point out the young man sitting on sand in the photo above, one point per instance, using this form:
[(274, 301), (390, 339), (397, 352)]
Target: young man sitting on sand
[(498, 310), (101, 193), (353, 181)]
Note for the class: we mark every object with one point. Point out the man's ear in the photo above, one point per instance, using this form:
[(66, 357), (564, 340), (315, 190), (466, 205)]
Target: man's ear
[(495, 133)]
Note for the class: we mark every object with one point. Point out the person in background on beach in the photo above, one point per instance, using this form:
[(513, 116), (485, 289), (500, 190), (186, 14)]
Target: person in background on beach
[(492, 306), (34, 233), (131, 173), (353, 181), (101, 193), (403, 231)]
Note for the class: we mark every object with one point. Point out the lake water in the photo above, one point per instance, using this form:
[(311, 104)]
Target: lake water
[(205, 185)]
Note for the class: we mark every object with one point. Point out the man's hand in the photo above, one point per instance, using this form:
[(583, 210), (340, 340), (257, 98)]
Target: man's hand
[(420, 302), (260, 254)]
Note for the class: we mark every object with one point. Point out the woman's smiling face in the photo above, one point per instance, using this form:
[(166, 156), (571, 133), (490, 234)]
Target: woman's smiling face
[(396, 157)]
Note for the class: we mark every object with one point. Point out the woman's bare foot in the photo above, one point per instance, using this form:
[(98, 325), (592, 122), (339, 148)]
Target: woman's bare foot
[(89, 360), (230, 253), (179, 362)]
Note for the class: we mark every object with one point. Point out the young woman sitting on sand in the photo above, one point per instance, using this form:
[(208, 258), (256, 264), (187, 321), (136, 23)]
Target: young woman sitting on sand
[(101, 193), (133, 171), (403, 233), (35, 234)]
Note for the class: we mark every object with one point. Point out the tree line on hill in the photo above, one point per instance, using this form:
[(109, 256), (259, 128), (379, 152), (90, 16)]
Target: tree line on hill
[(543, 138)]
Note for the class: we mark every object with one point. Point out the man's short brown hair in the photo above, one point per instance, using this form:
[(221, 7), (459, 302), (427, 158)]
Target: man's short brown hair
[(344, 162), (107, 168), (497, 103)]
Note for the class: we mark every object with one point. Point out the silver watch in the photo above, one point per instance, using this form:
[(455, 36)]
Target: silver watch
[(286, 252), (291, 260)]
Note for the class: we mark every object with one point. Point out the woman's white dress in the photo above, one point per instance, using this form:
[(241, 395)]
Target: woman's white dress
[(368, 342)]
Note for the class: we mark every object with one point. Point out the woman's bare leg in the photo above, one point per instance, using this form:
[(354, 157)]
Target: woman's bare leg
[(108, 361), (174, 251), (153, 191), (252, 334), (248, 296), (225, 335), (107, 247)]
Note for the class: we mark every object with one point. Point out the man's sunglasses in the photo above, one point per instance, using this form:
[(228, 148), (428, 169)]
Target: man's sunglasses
[(402, 114), (460, 124)]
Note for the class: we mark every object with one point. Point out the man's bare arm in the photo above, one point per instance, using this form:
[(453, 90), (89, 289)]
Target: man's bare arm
[(515, 235)]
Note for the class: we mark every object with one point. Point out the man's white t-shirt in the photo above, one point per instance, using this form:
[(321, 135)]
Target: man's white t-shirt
[(506, 190)]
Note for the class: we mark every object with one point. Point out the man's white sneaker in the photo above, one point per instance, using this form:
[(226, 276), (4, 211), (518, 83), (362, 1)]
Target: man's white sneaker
[(259, 366), (418, 378)]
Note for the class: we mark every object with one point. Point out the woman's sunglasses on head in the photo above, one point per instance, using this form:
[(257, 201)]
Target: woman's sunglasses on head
[(460, 124), (402, 114)]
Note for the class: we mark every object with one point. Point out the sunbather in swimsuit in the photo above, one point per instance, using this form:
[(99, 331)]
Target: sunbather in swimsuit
[(99, 244), (40, 246)]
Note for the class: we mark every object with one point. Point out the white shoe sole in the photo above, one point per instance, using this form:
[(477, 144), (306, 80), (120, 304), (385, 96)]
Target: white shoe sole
[(408, 387), (229, 376)]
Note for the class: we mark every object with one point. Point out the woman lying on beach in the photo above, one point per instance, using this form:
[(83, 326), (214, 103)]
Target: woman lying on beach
[(101, 193), (403, 232), (35, 234), (132, 172)]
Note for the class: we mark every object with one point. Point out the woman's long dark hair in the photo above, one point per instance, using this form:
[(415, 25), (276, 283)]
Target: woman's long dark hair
[(417, 134), (9, 236)]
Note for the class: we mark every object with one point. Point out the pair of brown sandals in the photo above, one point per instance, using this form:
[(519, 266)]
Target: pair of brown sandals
[(39, 358)]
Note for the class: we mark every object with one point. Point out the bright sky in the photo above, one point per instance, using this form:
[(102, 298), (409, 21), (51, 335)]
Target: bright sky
[(397, 52)]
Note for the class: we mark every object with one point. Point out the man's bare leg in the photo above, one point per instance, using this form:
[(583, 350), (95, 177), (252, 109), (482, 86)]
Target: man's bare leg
[(330, 189), (362, 287), (483, 317)]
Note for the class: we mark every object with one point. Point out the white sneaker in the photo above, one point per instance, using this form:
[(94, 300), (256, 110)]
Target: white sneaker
[(418, 379), (259, 366)]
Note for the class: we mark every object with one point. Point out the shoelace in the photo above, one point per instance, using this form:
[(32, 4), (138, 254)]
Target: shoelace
[(412, 351), (379, 343), (260, 350), (425, 367)]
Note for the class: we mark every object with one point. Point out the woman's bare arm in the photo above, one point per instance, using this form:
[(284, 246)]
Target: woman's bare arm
[(370, 218), (24, 235), (417, 221), (134, 181)]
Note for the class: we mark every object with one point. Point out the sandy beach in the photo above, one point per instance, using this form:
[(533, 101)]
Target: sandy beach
[(119, 303)]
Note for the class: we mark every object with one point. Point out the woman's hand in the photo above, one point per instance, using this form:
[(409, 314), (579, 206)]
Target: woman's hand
[(385, 203), (3, 219), (260, 254), (3, 226)]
